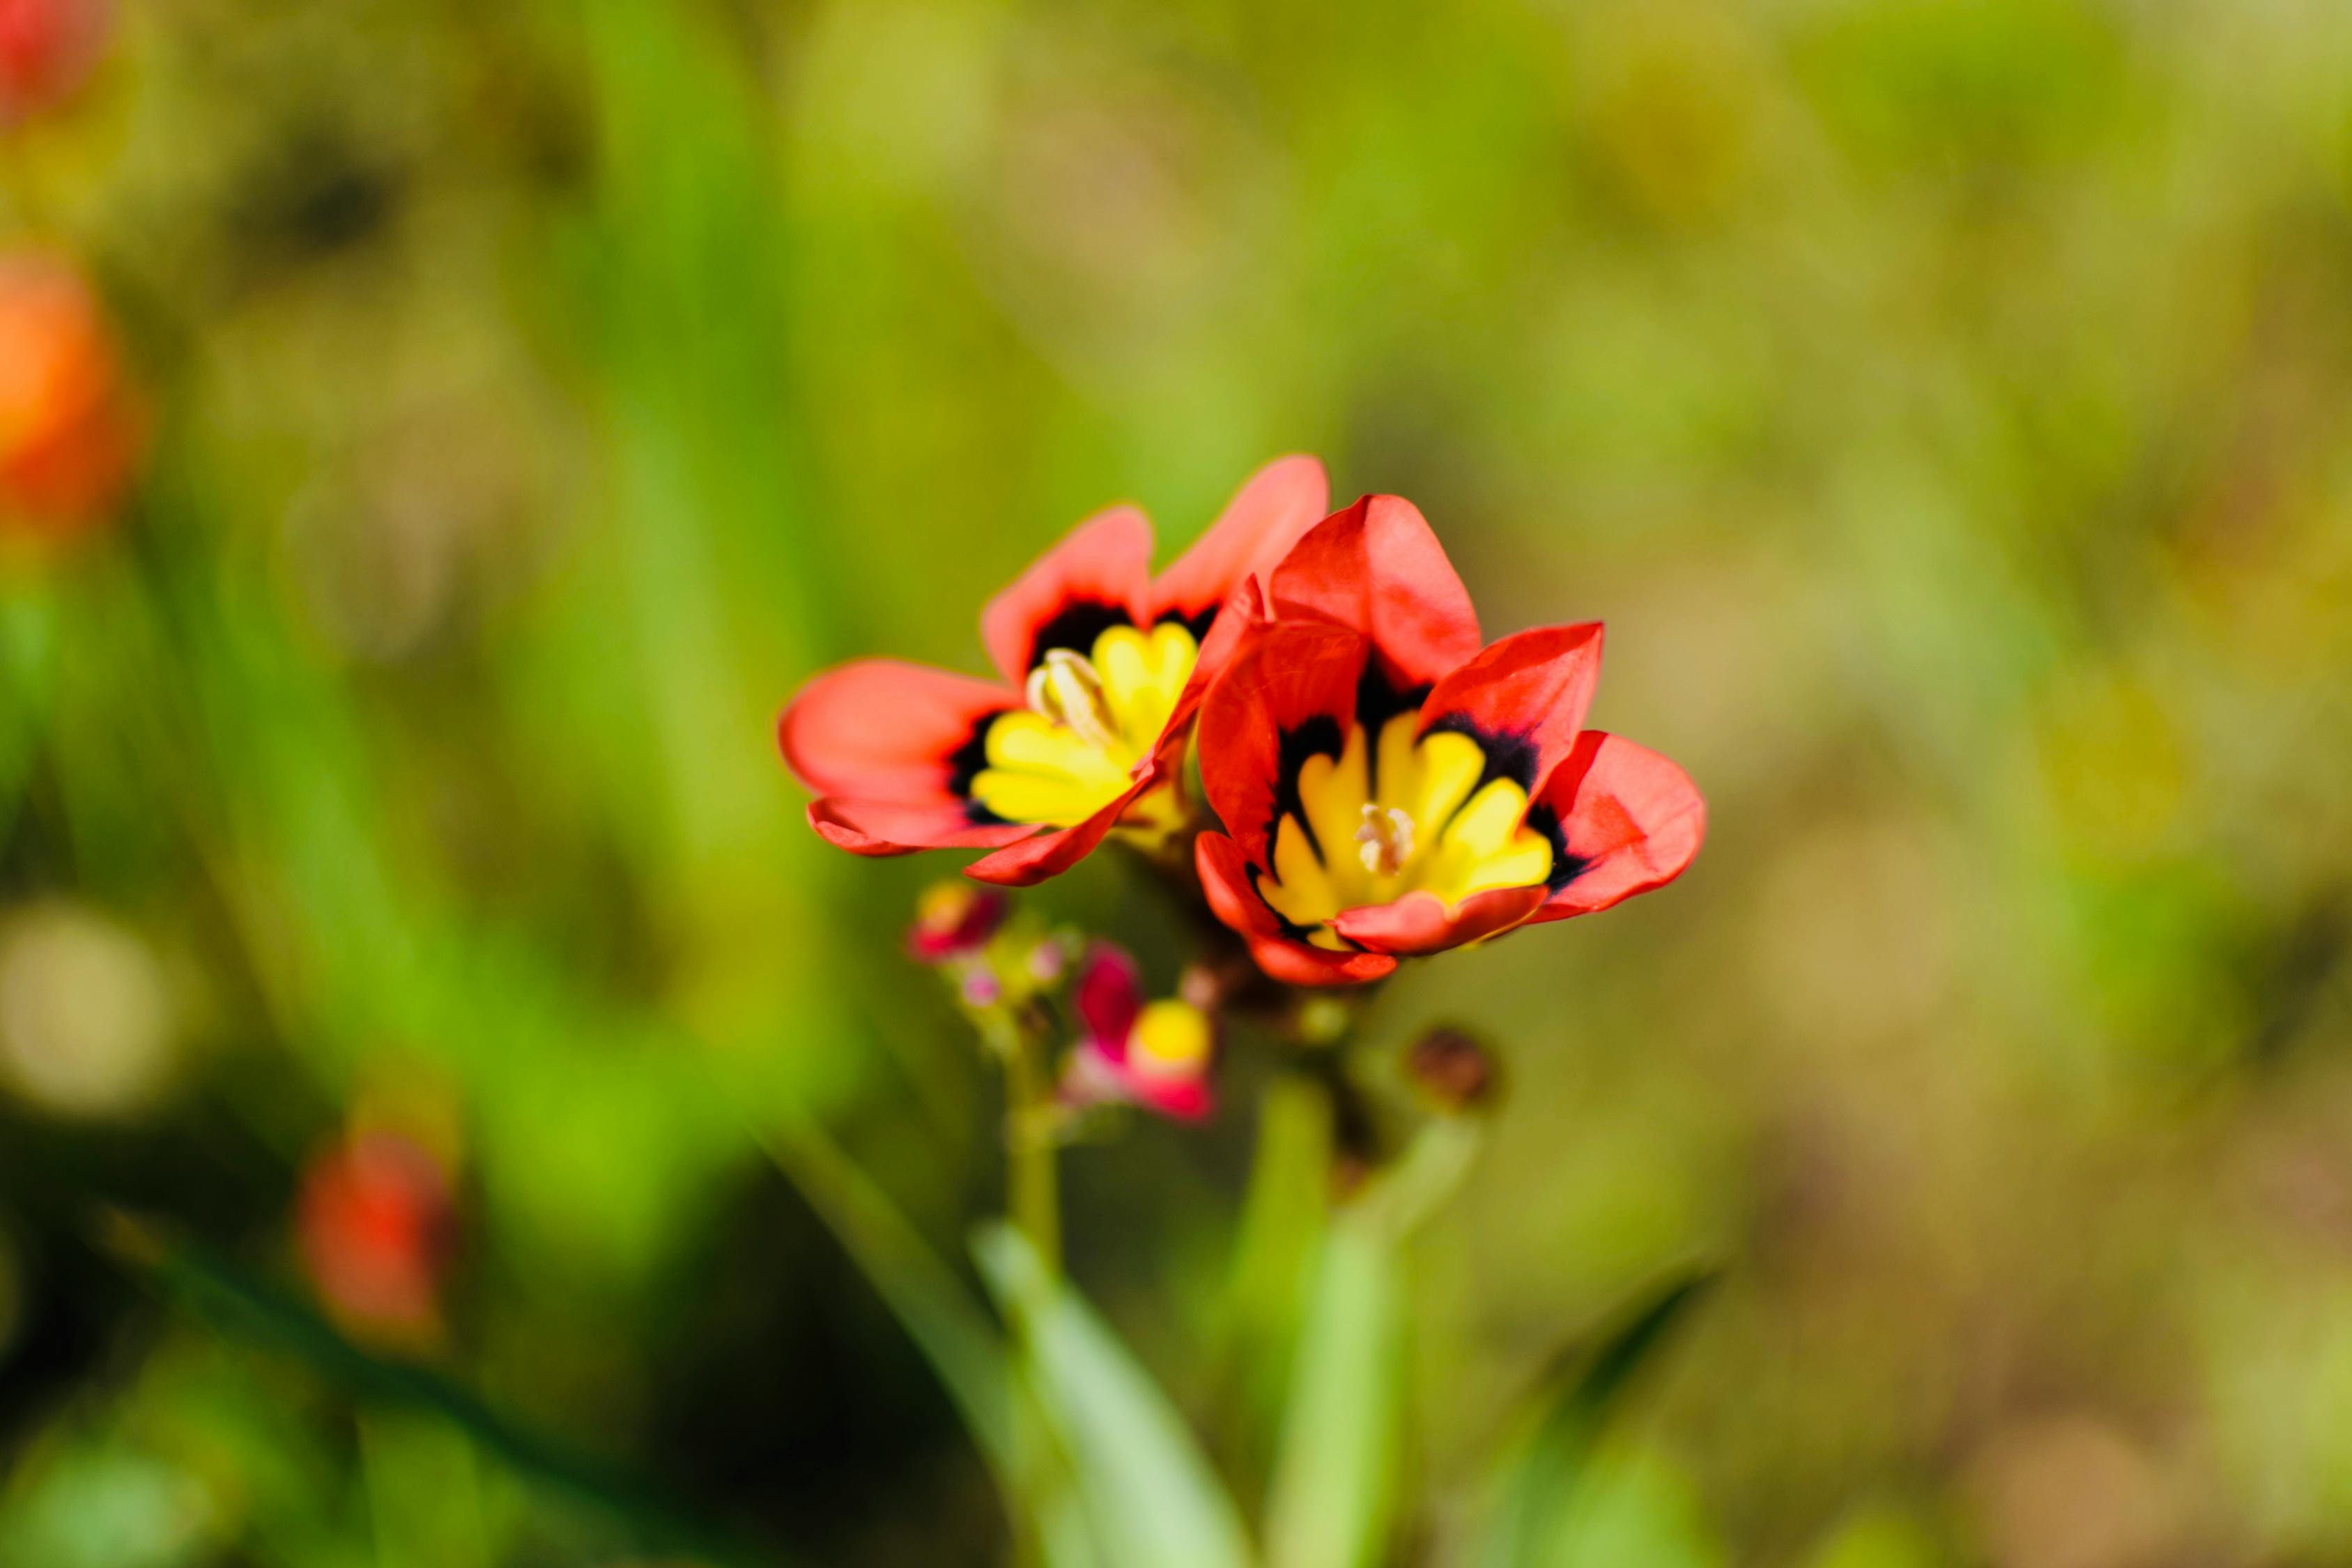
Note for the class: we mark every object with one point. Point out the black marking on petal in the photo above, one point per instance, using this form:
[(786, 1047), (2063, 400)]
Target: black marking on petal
[(964, 764), (1290, 928), (1565, 868), (1378, 700), (1509, 753), (1315, 736), (1076, 625), (1198, 623)]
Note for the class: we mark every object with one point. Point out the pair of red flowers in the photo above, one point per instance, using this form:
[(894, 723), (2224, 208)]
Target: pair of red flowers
[(1389, 786)]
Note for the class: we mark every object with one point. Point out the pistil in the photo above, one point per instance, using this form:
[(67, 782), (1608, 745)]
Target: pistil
[(1385, 840)]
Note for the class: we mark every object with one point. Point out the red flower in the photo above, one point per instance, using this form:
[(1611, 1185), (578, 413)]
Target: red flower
[(47, 48), (1103, 666), (1393, 789), (375, 1227), (66, 431), (1155, 1055)]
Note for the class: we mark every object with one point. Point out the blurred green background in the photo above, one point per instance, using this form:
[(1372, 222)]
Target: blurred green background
[(1945, 405)]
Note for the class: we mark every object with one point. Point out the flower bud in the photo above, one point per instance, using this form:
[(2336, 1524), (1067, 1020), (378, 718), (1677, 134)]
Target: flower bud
[(1321, 1019), (1157, 1055), (1049, 960), (1453, 1072), (954, 919)]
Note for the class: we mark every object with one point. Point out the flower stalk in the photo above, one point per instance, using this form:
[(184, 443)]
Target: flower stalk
[(1033, 1175)]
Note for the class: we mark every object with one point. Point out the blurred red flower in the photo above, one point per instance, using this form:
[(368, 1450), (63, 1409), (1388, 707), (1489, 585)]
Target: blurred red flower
[(1157, 1055), (1102, 666), (375, 1229), (1393, 789), (46, 50), (67, 431)]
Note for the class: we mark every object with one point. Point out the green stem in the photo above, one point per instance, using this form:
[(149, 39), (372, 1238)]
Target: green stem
[(1032, 1180)]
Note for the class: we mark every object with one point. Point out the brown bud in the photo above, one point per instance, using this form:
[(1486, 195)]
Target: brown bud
[(1452, 1071), (1348, 1175)]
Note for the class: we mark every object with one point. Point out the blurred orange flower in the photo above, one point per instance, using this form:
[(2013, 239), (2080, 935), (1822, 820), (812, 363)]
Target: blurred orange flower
[(46, 49), (67, 428), (374, 1224)]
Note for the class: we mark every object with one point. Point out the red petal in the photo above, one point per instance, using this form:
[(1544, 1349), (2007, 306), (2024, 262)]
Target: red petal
[(1301, 963), (1257, 528), (1226, 880), (1183, 1099), (1097, 577), (1632, 819), (1243, 615), (1523, 698), (1420, 923), (1108, 997), (1377, 567), (884, 731), (1054, 851), (1094, 1076), (893, 827), (1286, 677)]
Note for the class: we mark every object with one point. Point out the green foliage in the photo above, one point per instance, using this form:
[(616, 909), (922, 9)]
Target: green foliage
[(1333, 1499), (240, 1307), (1560, 1454), (1150, 1494), (1945, 405)]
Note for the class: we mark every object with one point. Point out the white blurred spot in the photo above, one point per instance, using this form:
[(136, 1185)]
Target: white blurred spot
[(85, 1023)]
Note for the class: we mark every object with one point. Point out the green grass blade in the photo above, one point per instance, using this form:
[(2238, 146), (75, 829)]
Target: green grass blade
[(214, 1292), (1582, 1395), (1275, 1252), (1151, 1493), (950, 1328), (1334, 1488), (939, 1313), (1334, 1491)]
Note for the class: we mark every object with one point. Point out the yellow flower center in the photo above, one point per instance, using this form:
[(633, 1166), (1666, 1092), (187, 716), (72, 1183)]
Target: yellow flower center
[(1171, 1039), (1420, 821), (1091, 718)]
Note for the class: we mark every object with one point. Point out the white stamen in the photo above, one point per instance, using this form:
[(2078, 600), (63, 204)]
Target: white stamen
[(1068, 689), (1386, 840)]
